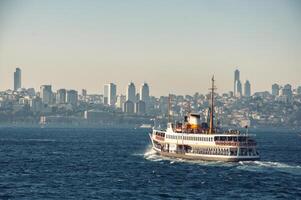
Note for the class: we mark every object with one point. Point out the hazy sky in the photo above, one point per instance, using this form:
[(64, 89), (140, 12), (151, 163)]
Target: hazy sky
[(174, 45)]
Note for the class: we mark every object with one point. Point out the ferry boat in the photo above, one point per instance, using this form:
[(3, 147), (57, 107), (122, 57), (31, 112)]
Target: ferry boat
[(194, 140)]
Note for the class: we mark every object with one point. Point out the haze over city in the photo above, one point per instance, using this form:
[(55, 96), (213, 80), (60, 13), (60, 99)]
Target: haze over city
[(175, 46), (150, 99)]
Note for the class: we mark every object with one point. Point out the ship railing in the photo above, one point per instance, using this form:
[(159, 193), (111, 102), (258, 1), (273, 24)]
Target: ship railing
[(232, 143)]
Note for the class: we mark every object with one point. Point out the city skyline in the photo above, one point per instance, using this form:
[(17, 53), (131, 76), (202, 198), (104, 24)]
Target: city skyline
[(243, 89), (176, 50)]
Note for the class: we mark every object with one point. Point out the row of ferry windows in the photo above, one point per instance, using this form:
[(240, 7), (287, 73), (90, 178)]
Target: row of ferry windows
[(206, 139)]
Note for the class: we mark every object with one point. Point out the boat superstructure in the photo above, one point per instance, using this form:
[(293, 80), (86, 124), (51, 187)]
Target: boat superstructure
[(192, 139)]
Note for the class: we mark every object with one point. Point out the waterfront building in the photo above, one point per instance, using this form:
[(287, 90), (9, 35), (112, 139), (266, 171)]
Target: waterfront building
[(121, 99), (128, 107), (109, 95), (131, 92), (46, 94), (140, 107), (17, 79)]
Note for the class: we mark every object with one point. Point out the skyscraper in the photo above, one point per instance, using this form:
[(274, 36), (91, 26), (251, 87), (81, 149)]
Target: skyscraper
[(287, 90), (131, 92), (275, 89), (247, 88), (46, 94), (238, 88), (61, 96), (144, 93), (236, 78), (17, 79), (287, 93), (72, 97), (109, 94)]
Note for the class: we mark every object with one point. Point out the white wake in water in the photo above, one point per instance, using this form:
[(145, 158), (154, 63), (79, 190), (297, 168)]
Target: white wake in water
[(256, 166), (151, 155), (268, 166)]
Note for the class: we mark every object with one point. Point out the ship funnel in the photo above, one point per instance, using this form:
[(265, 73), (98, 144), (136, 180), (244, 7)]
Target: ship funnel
[(194, 120)]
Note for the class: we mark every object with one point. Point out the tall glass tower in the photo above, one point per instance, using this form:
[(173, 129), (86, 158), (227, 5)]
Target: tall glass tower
[(236, 79), (17, 79), (247, 88), (131, 92)]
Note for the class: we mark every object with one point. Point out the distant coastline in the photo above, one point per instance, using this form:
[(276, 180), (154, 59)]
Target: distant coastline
[(258, 129)]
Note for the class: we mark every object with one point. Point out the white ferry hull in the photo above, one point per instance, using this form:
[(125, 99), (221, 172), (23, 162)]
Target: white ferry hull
[(191, 156), (198, 156)]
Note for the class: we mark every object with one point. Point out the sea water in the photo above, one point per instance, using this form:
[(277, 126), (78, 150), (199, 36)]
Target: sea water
[(119, 164)]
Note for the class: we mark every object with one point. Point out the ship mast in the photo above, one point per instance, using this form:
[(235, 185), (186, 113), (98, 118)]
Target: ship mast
[(169, 108), (211, 126)]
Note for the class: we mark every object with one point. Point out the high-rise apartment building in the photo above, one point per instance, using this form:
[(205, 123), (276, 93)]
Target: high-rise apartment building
[(17, 79), (131, 92), (109, 94)]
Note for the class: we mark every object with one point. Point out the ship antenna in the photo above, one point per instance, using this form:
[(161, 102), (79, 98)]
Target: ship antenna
[(211, 127)]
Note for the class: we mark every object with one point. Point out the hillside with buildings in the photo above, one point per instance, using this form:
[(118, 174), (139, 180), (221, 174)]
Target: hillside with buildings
[(281, 107)]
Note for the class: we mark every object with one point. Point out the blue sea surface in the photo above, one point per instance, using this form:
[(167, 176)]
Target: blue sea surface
[(119, 164)]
